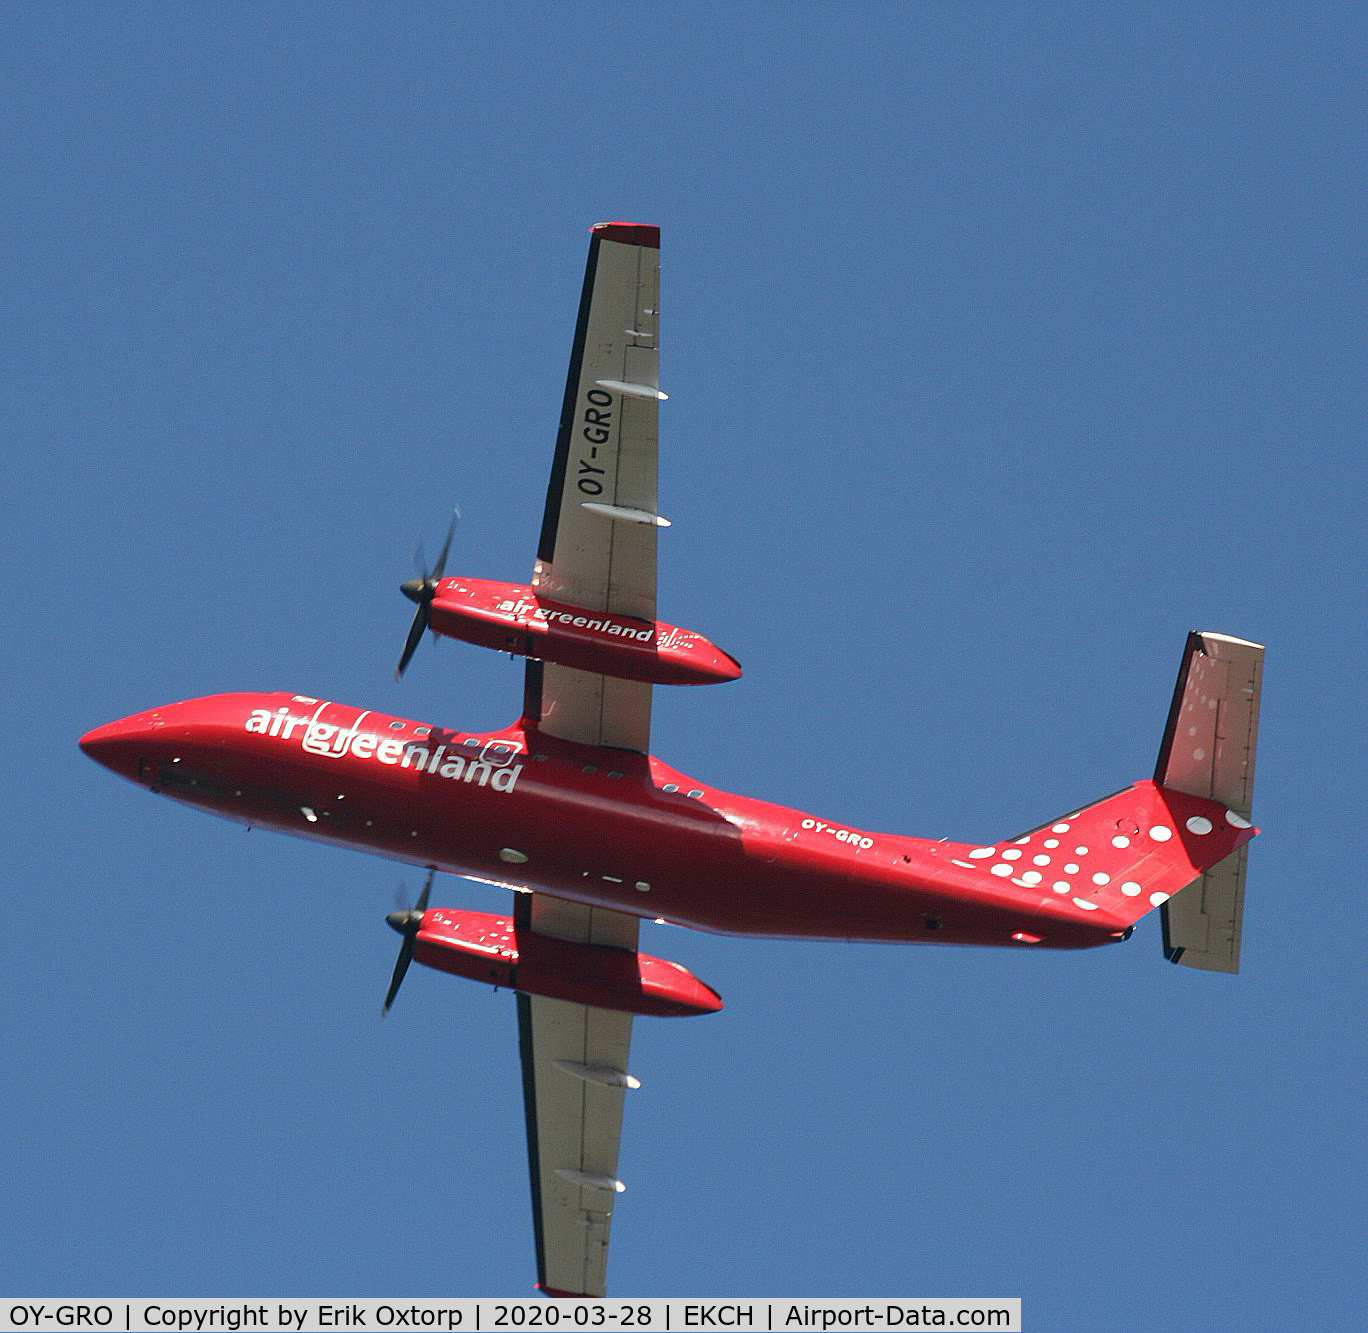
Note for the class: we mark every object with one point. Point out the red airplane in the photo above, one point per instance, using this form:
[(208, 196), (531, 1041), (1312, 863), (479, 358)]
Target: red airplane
[(568, 809)]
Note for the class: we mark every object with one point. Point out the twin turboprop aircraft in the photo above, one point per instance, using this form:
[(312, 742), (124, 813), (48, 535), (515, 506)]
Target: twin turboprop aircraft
[(568, 809)]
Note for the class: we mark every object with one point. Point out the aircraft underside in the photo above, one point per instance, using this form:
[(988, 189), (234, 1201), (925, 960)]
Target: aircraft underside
[(568, 810)]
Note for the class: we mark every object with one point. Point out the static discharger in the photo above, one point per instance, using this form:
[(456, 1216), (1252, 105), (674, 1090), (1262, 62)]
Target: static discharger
[(600, 1074), (589, 1180), (647, 391), (623, 515)]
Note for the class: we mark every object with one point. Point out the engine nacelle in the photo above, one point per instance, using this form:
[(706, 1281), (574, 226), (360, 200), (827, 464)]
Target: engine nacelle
[(513, 619), (490, 949)]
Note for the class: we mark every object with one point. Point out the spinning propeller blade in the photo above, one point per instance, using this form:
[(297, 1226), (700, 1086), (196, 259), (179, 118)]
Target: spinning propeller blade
[(422, 591), (407, 924)]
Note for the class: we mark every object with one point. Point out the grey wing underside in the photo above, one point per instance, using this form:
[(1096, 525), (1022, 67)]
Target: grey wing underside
[(604, 558), (575, 1078), (574, 1057)]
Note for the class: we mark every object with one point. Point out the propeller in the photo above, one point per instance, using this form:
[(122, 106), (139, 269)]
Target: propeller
[(407, 924), (421, 592)]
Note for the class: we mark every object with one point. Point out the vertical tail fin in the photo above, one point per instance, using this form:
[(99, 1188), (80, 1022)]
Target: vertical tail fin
[(1208, 751)]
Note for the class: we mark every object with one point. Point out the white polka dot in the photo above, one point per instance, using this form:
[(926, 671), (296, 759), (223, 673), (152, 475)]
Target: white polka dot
[(1158, 899), (1031, 877), (1052, 842), (1232, 819), (1161, 834), (1085, 904), (1002, 870), (1080, 851), (1198, 825), (1059, 828), (1131, 889), (1211, 703), (1013, 855), (1041, 860), (1060, 886), (1192, 731), (980, 852), (1100, 879), (1021, 842), (1120, 840), (1199, 753), (1071, 869)]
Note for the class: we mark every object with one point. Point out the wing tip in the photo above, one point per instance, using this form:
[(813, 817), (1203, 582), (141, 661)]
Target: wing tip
[(627, 233)]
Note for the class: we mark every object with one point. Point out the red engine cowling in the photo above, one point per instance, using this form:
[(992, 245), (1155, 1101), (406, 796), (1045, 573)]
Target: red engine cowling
[(511, 618), (490, 949)]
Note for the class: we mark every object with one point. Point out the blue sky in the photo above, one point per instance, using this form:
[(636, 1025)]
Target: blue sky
[(1005, 345)]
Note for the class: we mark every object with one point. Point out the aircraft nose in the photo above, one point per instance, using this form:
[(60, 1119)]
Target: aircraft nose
[(119, 745), (103, 741)]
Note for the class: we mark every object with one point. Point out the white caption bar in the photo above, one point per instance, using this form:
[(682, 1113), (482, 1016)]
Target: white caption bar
[(339, 1315)]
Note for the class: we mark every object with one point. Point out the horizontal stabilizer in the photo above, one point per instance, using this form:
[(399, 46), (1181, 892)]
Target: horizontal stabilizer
[(1209, 751), (1202, 924), (1209, 742)]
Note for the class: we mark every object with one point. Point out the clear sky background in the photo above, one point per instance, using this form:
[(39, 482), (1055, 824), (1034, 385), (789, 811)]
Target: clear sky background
[(1005, 345)]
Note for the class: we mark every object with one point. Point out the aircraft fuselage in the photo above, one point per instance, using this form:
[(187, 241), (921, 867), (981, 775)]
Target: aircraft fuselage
[(608, 828)]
